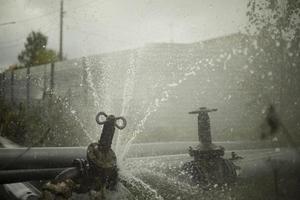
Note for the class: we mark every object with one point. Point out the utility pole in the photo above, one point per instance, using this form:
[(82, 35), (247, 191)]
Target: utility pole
[(60, 55)]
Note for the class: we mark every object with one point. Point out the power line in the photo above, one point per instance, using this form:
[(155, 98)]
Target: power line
[(7, 23), (51, 13), (61, 16), (36, 17), (18, 39)]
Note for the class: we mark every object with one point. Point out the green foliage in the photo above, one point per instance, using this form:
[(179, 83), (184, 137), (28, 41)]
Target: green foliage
[(276, 24), (45, 124), (274, 53), (35, 52), (279, 18), (12, 123), (45, 56), (276, 27)]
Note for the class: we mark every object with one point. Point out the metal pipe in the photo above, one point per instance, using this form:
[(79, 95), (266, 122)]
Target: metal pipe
[(21, 191), (39, 157), (24, 175)]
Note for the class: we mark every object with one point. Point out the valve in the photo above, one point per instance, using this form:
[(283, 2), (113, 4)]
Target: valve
[(209, 166), (108, 131), (204, 133), (97, 172), (111, 117)]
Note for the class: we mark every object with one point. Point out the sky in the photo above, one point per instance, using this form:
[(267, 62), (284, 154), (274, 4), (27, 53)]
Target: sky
[(97, 26)]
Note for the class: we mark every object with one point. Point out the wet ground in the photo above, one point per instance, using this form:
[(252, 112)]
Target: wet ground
[(158, 177)]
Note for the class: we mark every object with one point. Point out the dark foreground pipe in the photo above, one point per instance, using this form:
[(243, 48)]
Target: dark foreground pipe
[(39, 157), (22, 175), (21, 191)]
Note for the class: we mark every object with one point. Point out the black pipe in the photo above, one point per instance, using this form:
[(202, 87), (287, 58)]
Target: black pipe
[(24, 175), (20, 191), (39, 157)]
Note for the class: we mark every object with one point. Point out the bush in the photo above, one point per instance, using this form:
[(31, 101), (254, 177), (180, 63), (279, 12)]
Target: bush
[(46, 123)]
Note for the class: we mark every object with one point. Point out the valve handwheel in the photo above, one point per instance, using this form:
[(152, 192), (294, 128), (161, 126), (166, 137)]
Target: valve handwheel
[(98, 118), (116, 119)]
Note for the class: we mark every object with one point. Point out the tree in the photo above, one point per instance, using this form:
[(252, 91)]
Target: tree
[(280, 18), (35, 52), (275, 25)]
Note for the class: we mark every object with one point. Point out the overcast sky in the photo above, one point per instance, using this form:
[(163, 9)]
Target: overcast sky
[(97, 26)]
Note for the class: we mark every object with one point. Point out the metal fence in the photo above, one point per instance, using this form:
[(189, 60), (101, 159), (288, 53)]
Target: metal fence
[(163, 82)]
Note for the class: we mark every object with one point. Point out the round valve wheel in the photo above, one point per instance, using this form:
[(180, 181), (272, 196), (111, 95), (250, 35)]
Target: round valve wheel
[(119, 122)]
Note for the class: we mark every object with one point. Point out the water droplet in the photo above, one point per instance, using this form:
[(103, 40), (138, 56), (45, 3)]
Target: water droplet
[(270, 73)]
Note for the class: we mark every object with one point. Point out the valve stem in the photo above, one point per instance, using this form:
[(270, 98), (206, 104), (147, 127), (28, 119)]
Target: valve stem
[(204, 132)]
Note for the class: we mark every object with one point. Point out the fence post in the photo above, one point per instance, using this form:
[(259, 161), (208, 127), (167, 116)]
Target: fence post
[(52, 81), (12, 81), (84, 80), (28, 85), (3, 86), (45, 82)]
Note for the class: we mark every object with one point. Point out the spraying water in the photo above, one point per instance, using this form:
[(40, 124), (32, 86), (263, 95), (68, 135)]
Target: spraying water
[(96, 98), (162, 97), (127, 94)]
